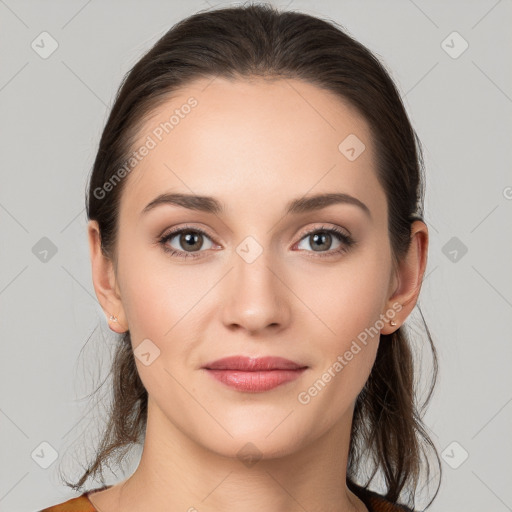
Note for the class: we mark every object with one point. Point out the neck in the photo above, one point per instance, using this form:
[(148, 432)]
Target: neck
[(177, 473)]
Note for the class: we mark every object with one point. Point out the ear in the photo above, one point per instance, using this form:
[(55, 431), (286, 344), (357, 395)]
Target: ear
[(408, 277), (104, 280)]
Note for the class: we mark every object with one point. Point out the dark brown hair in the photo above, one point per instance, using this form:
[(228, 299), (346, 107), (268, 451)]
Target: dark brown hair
[(259, 40)]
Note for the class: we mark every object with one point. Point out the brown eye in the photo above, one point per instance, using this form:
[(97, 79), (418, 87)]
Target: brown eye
[(190, 241), (320, 240), (187, 240)]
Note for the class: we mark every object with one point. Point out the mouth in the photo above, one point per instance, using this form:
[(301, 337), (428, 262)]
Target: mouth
[(254, 374)]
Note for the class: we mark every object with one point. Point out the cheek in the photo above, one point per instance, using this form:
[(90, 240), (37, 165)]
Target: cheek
[(149, 291), (163, 300), (346, 299), (346, 351), (147, 280), (347, 302)]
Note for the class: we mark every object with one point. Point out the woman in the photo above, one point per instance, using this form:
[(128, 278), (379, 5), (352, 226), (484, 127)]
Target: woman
[(256, 238)]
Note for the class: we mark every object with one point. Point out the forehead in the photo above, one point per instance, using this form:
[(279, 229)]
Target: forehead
[(254, 143)]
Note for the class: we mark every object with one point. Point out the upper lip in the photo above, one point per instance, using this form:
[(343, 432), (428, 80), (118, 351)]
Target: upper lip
[(251, 364)]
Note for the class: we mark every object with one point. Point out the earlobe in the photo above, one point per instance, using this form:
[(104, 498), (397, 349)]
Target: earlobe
[(113, 323), (104, 280)]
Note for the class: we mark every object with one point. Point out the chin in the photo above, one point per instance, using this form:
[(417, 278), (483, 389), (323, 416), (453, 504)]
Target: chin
[(249, 448)]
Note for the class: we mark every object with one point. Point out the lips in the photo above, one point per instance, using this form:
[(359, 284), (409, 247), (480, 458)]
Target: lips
[(254, 375), (249, 364)]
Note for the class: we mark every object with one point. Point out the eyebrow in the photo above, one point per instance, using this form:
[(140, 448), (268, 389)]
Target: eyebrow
[(209, 204)]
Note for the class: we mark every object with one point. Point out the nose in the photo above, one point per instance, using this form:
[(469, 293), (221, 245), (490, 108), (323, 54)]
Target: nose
[(256, 296)]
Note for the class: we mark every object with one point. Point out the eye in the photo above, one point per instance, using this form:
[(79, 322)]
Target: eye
[(321, 238), (188, 238)]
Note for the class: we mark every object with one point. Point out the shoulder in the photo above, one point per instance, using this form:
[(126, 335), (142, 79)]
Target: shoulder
[(79, 504), (377, 502)]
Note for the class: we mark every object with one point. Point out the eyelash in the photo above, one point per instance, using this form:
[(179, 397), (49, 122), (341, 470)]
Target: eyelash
[(347, 240)]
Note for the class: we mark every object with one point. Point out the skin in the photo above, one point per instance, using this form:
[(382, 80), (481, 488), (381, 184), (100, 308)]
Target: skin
[(254, 145)]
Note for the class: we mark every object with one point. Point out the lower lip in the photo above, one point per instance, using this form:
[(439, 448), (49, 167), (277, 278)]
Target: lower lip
[(257, 380)]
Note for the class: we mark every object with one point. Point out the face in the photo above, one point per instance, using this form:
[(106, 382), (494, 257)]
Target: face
[(251, 279)]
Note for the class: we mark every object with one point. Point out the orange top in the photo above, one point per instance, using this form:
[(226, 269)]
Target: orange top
[(374, 502)]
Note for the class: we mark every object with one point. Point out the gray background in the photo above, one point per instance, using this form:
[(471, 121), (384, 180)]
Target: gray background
[(52, 112)]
